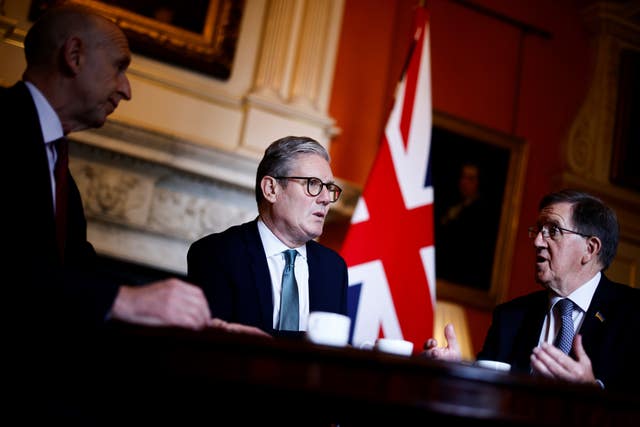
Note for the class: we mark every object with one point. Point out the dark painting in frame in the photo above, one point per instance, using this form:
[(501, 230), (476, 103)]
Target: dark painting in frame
[(475, 235), (199, 35)]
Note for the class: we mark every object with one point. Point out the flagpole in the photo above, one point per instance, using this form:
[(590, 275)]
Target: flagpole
[(412, 46)]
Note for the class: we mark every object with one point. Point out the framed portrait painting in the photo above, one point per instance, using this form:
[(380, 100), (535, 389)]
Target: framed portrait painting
[(200, 35), (478, 175)]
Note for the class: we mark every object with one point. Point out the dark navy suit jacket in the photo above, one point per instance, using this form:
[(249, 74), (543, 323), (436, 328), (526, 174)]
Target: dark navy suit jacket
[(610, 333), (44, 288), (231, 267), (52, 313)]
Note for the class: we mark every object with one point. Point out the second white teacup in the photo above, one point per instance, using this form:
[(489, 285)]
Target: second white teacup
[(328, 328), (493, 364), (395, 346)]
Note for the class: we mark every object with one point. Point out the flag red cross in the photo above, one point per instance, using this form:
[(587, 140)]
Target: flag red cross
[(389, 246)]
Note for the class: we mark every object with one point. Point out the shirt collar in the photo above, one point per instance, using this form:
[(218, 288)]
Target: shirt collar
[(49, 120), (272, 245), (583, 295)]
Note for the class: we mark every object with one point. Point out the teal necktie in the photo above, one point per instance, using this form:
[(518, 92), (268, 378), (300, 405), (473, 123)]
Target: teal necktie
[(289, 311)]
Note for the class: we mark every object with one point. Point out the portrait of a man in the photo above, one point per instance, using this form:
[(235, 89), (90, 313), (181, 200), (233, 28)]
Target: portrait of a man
[(469, 179)]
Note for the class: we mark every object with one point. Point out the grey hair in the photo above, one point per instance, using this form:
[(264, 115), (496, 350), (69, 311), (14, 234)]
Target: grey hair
[(592, 217), (280, 155)]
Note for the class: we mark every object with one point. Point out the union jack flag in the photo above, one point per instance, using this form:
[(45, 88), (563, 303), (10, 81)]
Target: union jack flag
[(389, 246)]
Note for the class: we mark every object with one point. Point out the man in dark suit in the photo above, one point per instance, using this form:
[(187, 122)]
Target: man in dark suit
[(240, 269), (576, 237), (75, 78), (57, 301)]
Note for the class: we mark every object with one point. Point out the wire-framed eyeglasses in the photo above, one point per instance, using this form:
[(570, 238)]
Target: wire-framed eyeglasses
[(551, 231), (314, 186)]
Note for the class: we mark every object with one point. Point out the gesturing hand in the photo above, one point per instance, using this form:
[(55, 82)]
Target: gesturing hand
[(547, 360), (451, 352)]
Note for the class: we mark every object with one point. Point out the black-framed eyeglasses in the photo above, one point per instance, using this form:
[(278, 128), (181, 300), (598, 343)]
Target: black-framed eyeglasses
[(314, 186), (551, 231)]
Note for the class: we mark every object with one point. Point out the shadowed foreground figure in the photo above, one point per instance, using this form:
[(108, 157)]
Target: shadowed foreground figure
[(57, 299)]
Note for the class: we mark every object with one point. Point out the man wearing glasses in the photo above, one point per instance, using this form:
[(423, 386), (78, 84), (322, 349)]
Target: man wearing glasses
[(269, 272), (594, 340)]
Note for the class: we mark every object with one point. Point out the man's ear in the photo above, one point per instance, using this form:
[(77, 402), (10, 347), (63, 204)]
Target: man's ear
[(269, 188), (71, 55), (593, 248)]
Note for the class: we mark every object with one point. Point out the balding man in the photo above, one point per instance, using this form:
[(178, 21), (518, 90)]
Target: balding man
[(75, 77), (57, 303)]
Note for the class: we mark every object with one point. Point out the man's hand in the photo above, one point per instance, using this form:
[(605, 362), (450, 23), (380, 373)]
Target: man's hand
[(451, 352), (237, 328), (170, 302), (547, 360)]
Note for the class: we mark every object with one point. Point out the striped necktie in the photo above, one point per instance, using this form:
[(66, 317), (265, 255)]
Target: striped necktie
[(564, 340)]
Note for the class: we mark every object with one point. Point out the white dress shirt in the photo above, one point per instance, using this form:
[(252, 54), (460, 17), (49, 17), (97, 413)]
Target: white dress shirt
[(273, 249), (581, 298), (51, 130)]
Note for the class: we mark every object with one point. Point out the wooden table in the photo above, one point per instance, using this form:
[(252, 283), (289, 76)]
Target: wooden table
[(157, 375)]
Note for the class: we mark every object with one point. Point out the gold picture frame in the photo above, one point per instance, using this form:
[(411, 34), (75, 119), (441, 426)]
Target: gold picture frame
[(473, 264), (201, 36)]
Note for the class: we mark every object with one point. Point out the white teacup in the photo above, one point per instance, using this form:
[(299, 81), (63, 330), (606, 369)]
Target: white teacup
[(493, 364), (328, 328), (395, 346)]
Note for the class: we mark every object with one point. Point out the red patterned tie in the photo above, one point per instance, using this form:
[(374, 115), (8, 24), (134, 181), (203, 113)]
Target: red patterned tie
[(60, 174)]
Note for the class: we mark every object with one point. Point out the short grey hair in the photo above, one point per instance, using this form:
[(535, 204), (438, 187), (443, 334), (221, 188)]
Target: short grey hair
[(590, 217), (280, 156)]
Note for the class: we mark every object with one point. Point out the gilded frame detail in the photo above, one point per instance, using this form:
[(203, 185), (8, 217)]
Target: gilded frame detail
[(206, 45)]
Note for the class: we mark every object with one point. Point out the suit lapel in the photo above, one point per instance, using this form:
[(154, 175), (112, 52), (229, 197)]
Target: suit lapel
[(595, 321), (35, 147), (259, 271), (315, 277), (528, 337), (38, 194)]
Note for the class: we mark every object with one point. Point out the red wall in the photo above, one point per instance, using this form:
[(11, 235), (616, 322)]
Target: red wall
[(475, 76)]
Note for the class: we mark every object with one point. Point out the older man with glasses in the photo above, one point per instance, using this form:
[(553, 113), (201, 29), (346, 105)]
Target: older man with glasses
[(269, 272), (582, 328)]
